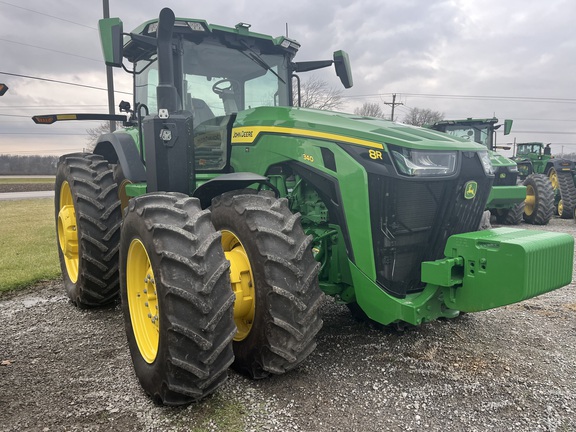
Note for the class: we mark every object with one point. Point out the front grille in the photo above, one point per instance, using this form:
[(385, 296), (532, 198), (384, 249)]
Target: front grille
[(503, 177), (412, 219)]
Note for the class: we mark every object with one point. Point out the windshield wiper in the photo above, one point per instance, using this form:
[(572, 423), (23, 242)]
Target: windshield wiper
[(255, 57)]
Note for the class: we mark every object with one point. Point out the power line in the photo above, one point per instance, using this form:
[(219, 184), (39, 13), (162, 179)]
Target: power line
[(17, 152), (546, 132), (40, 133), (14, 115), (60, 82), (49, 106), (45, 14), (52, 50), (479, 97)]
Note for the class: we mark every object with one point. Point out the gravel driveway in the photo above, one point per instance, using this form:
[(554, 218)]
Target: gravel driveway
[(509, 369)]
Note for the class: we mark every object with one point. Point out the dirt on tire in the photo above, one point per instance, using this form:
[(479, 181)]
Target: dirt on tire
[(508, 369)]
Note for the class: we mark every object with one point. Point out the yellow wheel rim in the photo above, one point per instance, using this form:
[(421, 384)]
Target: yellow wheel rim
[(124, 198), (142, 301), (530, 201), (553, 176), (67, 232), (560, 208), (242, 281)]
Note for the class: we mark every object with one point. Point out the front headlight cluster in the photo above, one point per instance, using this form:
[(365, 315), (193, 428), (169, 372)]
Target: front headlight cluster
[(424, 163)]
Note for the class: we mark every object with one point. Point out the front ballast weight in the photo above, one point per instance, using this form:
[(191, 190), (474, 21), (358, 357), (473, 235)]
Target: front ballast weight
[(492, 268)]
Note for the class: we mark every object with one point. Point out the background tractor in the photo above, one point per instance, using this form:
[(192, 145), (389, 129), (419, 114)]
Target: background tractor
[(221, 213), (509, 202), (534, 157)]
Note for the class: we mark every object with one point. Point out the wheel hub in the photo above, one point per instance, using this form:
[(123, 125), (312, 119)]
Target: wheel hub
[(67, 232), (242, 282), (530, 201), (553, 176), (142, 301)]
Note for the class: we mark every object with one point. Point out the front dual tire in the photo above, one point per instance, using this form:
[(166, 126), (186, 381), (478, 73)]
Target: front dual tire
[(176, 298), (202, 291)]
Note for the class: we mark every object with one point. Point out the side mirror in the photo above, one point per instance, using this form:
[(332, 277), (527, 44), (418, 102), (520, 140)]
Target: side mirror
[(343, 70), (3, 89), (111, 38), (507, 126)]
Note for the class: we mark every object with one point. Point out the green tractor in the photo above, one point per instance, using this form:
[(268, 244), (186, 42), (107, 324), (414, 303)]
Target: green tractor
[(534, 157), (221, 213), (509, 202)]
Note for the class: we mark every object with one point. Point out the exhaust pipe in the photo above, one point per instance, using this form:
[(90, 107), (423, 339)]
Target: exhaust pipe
[(166, 93)]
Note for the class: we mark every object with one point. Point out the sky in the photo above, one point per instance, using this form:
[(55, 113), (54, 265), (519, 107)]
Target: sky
[(513, 59)]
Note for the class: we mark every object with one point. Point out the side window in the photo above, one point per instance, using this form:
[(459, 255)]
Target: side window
[(151, 91), (145, 85), (211, 144)]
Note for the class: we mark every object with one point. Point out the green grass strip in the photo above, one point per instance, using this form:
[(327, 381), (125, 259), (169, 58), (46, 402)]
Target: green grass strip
[(28, 252)]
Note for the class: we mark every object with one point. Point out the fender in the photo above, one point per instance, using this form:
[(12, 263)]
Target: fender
[(560, 165), (229, 182), (120, 148)]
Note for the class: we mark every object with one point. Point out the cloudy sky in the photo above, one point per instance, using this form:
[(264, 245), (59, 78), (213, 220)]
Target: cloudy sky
[(465, 58)]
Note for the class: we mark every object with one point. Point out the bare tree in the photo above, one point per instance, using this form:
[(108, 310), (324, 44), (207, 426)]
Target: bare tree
[(422, 116), (95, 132), (315, 93), (370, 109)]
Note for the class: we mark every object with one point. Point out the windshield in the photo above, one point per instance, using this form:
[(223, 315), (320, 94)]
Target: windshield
[(479, 133), (524, 149), (219, 80)]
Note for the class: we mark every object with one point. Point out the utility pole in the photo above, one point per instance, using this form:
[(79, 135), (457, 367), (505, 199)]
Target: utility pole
[(109, 75), (393, 103)]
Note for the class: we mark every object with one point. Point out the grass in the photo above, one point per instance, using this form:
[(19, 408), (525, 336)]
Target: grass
[(218, 413), (28, 251), (21, 180)]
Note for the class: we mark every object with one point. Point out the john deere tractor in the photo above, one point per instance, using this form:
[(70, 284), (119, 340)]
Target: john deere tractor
[(534, 157), (221, 213), (509, 202)]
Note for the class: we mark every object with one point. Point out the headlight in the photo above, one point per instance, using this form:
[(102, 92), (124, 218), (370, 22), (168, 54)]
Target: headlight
[(424, 163), (486, 164)]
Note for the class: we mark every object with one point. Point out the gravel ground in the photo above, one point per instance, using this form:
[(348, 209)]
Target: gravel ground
[(509, 369)]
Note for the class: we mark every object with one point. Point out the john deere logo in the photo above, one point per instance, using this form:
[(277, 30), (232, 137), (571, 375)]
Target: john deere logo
[(470, 189)]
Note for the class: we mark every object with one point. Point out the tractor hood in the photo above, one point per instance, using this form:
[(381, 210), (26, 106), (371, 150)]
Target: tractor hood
[(499, 160), (348, 128)]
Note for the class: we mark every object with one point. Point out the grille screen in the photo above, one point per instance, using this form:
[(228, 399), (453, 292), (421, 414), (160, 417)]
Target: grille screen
[(412, 219)]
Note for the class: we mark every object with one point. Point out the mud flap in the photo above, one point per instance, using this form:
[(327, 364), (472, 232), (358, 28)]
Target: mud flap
[(487, 269)]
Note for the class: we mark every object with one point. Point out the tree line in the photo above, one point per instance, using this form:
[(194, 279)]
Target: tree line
[(28, 165)]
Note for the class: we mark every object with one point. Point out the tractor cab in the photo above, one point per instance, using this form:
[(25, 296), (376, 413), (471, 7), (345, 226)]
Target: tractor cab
[(191, 79), (481, 131), (217, 72), (532, 149)]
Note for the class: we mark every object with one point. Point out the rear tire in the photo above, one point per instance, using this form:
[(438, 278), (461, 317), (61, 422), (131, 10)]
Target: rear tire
[(567, 195), (284, 275), (88, 220), (539, 204), (176, 298)]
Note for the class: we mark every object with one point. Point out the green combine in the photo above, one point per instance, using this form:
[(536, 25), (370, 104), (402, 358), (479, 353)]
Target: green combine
[(535, 157), (222, 213), (509, 202)]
